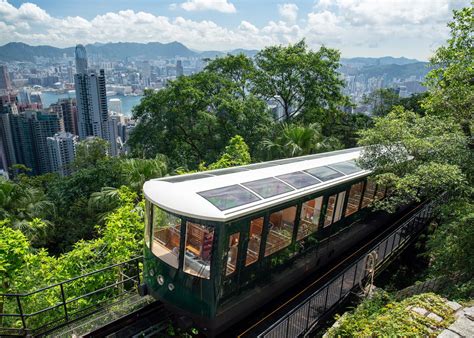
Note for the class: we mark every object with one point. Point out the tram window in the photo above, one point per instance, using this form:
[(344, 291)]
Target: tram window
[(368, 194), (309, 218), (198, 249), (255, 237), (339, 205), (280, 232), (330, 210), (166, 236), (354, 198), (147, 223), (232, 253), (380, 192)]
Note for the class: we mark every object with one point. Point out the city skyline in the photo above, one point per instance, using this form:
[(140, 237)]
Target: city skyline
[(356, 27)]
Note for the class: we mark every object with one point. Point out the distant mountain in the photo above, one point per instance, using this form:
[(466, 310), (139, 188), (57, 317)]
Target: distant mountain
[(386, 60), (417, 69), (17, 51)]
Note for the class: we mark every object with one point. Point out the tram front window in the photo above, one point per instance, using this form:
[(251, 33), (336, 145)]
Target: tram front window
[(166, 236), (198, 249), (280, 232)]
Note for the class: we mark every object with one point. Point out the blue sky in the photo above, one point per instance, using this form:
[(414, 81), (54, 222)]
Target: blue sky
[(411, 28)]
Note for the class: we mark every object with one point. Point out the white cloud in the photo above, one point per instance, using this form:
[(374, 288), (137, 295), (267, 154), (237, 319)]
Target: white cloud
[(289, 12), (204, 5), (356, 27)]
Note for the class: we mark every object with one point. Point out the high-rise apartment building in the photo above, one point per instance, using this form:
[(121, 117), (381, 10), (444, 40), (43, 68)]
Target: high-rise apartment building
[(4, 78), (7, 149), (92, 114), (61, 150), (29, 130), (67, 110)]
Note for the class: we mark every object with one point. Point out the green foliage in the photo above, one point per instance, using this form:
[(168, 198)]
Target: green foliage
[(302, 81), (90, 151), (193, 119), (236, 153), (418, 156), (450, 83), (292, 140), (383, 317), (136, 171), (13, 248), (451, 245)]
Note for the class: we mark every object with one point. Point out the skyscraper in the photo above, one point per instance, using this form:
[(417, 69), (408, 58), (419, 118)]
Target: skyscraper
[(81, 60), (92, 114), (30, 130), (7, 149), (4, 78), (179, 68), (61, 150), (67, 110)]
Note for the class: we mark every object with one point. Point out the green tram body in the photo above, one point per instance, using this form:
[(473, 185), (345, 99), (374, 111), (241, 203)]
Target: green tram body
[(223, 299)]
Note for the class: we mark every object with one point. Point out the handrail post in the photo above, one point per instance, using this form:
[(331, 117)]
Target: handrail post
[(21, 312), (137, 263), (64, 302)]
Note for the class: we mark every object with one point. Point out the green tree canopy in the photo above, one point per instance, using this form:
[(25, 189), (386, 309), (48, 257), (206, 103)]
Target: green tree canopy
[(302, 81), (90, 151), (451, 82)]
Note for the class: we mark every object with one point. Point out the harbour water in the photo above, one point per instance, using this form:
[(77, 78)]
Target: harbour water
[(128, 102)]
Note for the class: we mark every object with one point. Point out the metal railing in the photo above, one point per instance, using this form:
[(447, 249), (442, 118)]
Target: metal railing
[(301, 319), (53, 306)]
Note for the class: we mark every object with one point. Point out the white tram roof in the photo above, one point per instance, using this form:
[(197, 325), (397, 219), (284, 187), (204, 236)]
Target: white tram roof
[(226, 194)]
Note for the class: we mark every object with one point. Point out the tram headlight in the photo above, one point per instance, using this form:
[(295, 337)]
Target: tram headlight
[(151, 273), (160, 279), (170, 286)]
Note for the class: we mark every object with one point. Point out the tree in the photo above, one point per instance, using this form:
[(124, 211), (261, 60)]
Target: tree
[(90, 151), (236, 153), (418, 156), (451, 82), (292, 140), (382, 101), (303, 82), (193, 119), (237, 69), (136, 171)]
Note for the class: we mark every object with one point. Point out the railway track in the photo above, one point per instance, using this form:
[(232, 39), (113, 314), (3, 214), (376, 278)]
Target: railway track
[(150, 321)]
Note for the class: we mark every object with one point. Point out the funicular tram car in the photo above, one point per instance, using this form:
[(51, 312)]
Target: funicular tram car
[(219, 244)]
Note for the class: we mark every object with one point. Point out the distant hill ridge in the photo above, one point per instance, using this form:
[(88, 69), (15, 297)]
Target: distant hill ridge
[(18, 51)]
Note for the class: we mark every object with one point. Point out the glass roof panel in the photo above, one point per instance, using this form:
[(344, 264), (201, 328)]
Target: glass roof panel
[(184, 178), (347, 167), (268, 187), (227, 171), (229, 197), (324, 173), (299, 179)]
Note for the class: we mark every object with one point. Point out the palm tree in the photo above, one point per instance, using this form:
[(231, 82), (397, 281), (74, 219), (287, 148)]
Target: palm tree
[(297, 140), (136, 171), (103, 202)]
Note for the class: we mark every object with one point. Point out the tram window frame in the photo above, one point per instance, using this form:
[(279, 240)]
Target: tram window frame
[(315, 222), (327, 222), (366, 196), (194, 256), (355, 204), (268, 251), (339, 208), (148, 223), (257, 238), (232, 245), (159, 247)]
